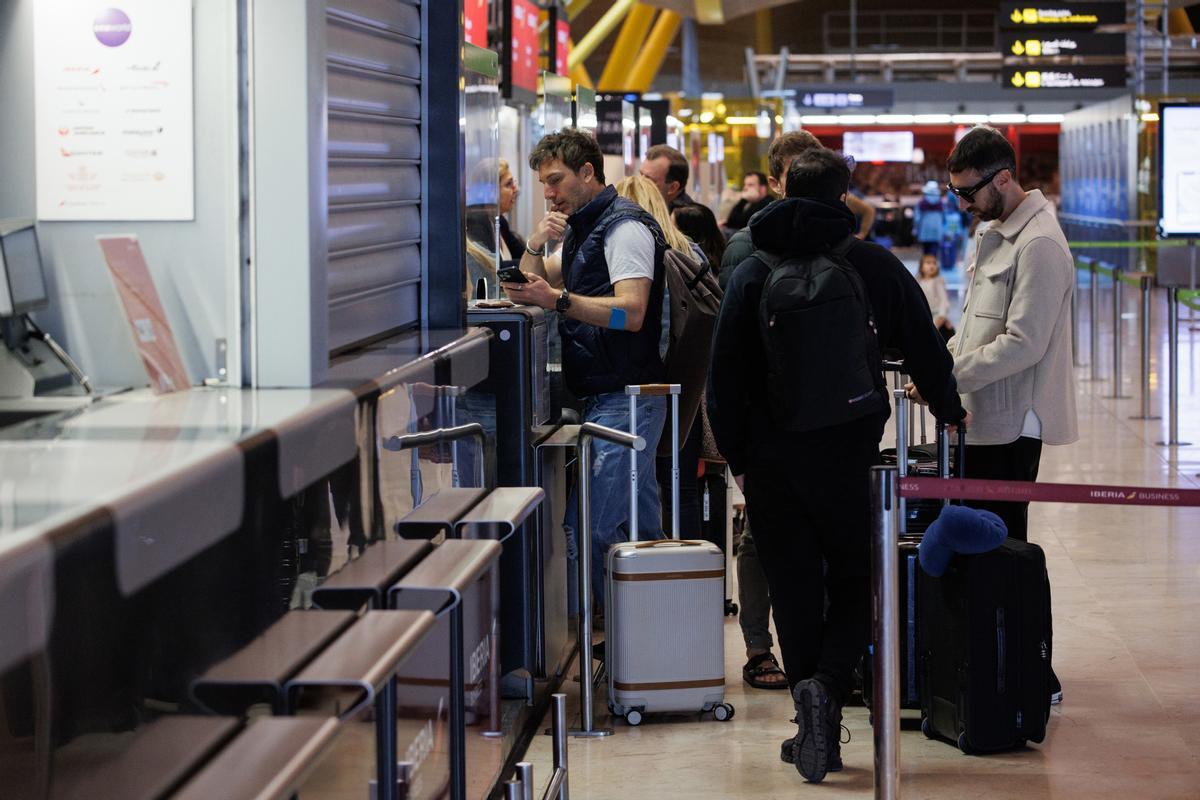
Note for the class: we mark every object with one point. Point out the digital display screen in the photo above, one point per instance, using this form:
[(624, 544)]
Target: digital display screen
[(1179, 170), (878, 145), (23, 268)]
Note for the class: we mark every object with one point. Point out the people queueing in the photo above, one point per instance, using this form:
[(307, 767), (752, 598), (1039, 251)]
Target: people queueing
[(929, 276), (1012, 352), (608, 291), (755, 197), (811, 512)]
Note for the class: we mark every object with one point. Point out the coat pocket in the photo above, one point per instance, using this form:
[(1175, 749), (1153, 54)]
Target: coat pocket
[(990, 294)]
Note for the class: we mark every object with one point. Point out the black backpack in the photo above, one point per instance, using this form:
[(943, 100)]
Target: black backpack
[(823, 360)]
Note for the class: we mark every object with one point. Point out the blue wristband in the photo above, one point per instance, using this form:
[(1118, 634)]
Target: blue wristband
[(616, 319)]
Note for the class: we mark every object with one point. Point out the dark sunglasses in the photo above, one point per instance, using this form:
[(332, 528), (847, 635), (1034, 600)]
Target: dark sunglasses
[(968, 192)]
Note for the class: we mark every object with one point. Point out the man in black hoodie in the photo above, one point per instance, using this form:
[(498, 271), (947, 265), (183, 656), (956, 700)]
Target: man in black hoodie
[(810, 490)]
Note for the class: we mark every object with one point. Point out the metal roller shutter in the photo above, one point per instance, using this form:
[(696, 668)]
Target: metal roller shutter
[(373, 63)]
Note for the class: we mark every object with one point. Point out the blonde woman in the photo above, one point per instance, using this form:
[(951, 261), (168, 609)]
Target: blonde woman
[(643, 192), (683, 261)]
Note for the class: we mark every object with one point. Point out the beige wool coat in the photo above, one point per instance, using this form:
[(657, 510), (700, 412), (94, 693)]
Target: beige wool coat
[(1013, 348)]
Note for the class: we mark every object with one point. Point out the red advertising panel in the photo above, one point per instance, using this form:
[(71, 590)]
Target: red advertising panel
[(563, 47), (525, 44), (475, 13)]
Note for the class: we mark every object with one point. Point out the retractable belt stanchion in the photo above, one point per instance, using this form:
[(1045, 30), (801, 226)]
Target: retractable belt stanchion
[(587, 432), (885, 507), (1118, 379), (1094, 322), (1145, 284), (1075, 322), (1173, 366)]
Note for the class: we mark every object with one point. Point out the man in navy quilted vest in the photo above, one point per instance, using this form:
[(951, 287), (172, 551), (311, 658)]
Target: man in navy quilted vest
[(608, 292)]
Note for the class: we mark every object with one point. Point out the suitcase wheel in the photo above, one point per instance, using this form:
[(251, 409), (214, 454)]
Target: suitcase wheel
[(633, 717), (926, 728), (731, 608), (964, 745), (723, 712)]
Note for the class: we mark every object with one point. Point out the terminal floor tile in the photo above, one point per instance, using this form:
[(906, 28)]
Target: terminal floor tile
[(1126, 595)]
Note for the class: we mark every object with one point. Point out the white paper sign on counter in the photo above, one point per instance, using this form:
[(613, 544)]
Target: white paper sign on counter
[(113, 109)]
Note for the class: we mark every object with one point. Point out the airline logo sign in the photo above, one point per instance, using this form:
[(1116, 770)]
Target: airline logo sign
[(1062, 15), (1067, 77), (1024, 45)]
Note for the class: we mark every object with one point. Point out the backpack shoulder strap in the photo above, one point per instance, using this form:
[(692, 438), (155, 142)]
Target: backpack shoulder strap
[(844, 246), (772, 260)]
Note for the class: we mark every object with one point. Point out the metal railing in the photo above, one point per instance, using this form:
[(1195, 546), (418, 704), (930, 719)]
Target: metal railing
[(521, 786), (587, 432)]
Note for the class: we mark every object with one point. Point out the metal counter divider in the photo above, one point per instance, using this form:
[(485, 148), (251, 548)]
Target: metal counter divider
[(317, 654), (366, 579), (435, 518), (438, 584), (159, 759), (268, 761)]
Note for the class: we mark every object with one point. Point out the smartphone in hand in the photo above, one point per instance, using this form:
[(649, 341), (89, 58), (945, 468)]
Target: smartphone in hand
[(511, 275)]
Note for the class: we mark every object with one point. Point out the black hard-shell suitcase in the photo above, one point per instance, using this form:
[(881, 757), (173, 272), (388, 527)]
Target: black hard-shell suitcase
[(985, 643), (918, 520)]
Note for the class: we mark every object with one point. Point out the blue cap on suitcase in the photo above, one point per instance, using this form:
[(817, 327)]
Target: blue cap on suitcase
[(959, 529)]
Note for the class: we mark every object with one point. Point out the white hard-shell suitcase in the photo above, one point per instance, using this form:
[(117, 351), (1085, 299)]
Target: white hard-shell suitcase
[(664, 611)]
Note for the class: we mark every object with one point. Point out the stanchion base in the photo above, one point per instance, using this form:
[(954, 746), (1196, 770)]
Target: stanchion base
[(1174, 444), (1139, 416), (598, 733), (492, 734)]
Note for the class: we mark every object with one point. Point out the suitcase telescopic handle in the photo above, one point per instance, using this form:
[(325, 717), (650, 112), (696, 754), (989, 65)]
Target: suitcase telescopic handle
[(654, 390)]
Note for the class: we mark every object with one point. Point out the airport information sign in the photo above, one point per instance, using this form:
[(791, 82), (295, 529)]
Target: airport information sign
[(1064, 77), (839, 98), (113, 110), (1179, 170), (1061, 15), (1050, 44)]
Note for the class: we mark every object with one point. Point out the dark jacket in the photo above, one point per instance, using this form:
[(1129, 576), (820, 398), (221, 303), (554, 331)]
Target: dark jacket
[(512, 239), (739, 216), (598, 360), (737, 397)]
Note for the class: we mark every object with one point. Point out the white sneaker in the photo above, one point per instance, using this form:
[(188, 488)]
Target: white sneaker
[(1056, 697)]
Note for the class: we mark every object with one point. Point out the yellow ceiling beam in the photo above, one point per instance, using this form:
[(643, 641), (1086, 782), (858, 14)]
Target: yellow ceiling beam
[(576, 7), (579, 73), (650, 58), (710, 12), (1178, 23), (615, 76), (599, 32)]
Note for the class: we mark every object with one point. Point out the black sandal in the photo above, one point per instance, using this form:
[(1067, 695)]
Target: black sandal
[(759, 667)]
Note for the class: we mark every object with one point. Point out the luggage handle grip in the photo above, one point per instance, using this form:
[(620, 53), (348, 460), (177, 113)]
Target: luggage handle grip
[(653, 389), (662, 543)]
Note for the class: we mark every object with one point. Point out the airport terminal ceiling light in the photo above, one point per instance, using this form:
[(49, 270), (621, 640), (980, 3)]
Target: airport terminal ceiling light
[(918, 119)]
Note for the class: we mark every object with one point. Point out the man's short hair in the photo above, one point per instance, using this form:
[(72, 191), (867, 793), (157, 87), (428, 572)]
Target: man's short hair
[(677, 168), (785, 147), (572, 147), (819, 175), (762, 179), (985, 150)]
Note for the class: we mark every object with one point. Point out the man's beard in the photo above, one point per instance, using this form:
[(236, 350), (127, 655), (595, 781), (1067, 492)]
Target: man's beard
[(992, 207)]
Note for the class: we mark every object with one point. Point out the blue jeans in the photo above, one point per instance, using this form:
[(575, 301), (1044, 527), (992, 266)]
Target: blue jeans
[(611, 485)]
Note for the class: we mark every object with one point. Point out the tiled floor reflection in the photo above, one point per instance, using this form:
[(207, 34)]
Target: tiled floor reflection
[(1126, 588)]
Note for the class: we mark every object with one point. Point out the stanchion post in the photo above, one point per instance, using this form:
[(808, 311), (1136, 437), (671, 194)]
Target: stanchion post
[(525, 776), (1146, 281), (885, 709), (559, 742), (1075, 320), (635, 443), (1094, 321), (1173, 366), (1118, 378)]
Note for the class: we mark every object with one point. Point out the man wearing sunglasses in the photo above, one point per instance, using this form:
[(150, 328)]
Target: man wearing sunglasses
[(1012, 353)]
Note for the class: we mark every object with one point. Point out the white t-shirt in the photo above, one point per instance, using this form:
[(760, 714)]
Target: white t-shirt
[(629, 251)]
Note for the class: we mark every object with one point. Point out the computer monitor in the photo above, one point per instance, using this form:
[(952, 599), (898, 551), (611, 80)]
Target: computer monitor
[(22, 282)]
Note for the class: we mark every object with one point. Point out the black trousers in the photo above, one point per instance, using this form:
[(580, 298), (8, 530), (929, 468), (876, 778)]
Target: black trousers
[(689, 487), (1015, 461), (812, 516)]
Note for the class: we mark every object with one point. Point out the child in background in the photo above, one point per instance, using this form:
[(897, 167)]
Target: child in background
[(934, 287)]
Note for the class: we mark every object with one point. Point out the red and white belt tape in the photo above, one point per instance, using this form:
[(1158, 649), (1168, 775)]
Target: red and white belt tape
[(1025, 491)]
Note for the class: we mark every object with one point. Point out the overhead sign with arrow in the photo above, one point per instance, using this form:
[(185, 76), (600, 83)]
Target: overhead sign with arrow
[(1065, 77), (1061, 15), (1036, 44)]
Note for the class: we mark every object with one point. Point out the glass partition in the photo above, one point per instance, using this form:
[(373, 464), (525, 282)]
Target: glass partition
[(481, 117)]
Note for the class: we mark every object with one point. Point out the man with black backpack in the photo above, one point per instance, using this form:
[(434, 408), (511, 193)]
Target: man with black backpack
[(797, 402)]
